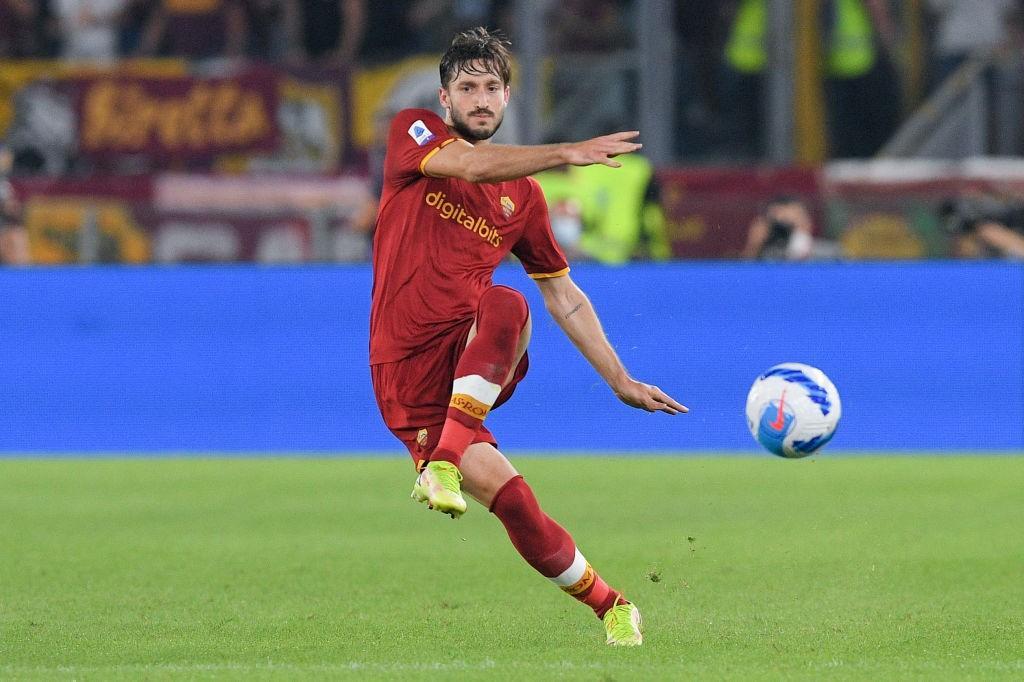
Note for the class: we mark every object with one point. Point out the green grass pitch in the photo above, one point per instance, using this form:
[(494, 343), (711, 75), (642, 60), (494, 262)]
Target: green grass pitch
[(838, 567)]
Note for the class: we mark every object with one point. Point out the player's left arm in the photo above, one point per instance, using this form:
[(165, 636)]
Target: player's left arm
[(574, 313)]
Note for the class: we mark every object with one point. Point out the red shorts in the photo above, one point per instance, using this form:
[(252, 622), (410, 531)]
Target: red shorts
[(413, 393)]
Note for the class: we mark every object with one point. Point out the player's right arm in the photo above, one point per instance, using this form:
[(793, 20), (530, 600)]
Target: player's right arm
[(499, 162)]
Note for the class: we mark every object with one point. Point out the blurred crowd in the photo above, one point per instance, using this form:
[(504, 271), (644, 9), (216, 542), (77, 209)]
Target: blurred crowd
[(334, 32), (875, 60)]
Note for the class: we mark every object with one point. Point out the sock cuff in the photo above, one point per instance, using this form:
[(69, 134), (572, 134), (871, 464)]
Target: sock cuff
[(608, 602), (477, 387), (459, 413), (502, 489)]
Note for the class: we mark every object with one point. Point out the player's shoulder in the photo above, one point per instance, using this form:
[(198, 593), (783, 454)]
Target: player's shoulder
[(420, 124), (531, 188)]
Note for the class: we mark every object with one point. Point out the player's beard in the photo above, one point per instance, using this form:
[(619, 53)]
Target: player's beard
[(476, 134)]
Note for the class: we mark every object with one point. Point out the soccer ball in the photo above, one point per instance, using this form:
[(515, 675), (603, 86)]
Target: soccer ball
[(793, 410)]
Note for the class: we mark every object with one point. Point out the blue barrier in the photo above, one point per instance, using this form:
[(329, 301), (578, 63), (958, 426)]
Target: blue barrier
[(220, 359)]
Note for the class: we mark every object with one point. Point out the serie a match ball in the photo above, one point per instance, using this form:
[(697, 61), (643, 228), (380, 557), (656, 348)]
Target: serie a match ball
[(793, 410)]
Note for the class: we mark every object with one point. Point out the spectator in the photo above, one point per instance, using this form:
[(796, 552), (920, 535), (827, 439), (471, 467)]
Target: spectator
[(784, 231), (565, 208), (18, 23), (612, 215), (985, 227), (860, 82), (14, 243), (700, 29), (195, 29), (88, 29), (992, 239), (327, 33), (742, 81), (623, 215), (861, 85), (14, 246)]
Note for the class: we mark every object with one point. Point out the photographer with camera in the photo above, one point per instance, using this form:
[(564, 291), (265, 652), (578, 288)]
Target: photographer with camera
[(14, 247), (984, 226), (784, 231)]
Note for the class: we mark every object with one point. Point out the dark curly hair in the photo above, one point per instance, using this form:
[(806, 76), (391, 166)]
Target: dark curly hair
[(489, 48)]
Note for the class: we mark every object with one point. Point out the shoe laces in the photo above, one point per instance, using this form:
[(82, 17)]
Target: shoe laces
[(448, 475), (620, 622)]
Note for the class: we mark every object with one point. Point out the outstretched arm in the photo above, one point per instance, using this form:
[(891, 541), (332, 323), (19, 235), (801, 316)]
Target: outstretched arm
[(574, 313), (1002, 238), (499, 162)]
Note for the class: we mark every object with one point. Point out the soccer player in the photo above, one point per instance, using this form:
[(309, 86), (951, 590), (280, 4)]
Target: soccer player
[(447, 345)]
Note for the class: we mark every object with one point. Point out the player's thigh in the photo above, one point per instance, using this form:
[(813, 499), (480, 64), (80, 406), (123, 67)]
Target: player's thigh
[(484, 470)]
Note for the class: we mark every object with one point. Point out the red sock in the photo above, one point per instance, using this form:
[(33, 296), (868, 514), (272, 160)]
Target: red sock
[(482, 369), (549, 548)]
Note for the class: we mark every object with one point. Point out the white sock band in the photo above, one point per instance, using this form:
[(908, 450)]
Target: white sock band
[(574, 573), (476, 387)]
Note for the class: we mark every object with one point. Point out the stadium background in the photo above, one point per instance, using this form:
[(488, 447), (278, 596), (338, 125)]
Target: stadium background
[(194, 480), (213, 205)]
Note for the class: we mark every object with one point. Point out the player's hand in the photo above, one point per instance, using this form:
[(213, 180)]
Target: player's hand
[(602, 149), (646, 397)]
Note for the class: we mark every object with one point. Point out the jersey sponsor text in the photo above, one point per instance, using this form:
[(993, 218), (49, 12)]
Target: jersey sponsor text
[(456, 213)]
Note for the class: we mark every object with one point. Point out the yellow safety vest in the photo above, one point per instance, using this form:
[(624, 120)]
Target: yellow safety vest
[(851, 51), (745, 50)]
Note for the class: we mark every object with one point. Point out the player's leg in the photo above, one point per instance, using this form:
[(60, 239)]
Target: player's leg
[(496, 343), (492, 480)]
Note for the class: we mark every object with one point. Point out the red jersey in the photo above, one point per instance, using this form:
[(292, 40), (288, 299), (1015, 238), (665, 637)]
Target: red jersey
[(439, 240)]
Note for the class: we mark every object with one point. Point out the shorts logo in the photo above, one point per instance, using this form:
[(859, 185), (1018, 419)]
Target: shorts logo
[(419, 132), (508, 207), (421, 438), (469, 405), (581, 585)]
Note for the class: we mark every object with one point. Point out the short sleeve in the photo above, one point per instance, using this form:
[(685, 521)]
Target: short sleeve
[(415, 136), (537, 249)]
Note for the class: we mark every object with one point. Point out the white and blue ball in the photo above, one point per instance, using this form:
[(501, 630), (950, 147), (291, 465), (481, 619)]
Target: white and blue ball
[(793, 410)]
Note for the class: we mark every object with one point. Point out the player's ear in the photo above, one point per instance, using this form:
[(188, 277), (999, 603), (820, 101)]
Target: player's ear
[(442, 97), (508, 91)]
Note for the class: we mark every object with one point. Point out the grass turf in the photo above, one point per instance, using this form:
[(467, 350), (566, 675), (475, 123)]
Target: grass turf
[(867, 567)]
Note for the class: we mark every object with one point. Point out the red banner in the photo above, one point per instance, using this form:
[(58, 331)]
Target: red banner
[(183, 117), (709, 210)]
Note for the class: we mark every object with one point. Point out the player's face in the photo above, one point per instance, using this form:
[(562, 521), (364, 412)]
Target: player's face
[(476, 104)]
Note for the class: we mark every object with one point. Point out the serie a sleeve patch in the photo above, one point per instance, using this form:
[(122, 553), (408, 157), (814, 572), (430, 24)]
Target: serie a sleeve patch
[(419, 132)]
